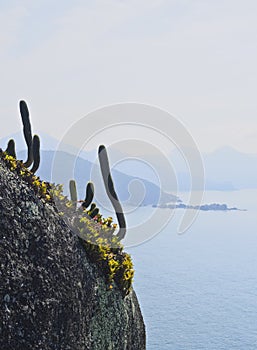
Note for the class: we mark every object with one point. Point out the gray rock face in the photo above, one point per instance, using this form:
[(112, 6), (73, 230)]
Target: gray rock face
[(51, 296)]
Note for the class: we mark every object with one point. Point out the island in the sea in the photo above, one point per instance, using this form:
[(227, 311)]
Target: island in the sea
[(204, 207)]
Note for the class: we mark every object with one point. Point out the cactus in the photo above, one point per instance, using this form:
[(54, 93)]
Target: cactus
[(32, 144), (89, 195), (36, 153), (11, 148), (27, 132), (92, 207), (73, 192), (109, 187), (93, 213)]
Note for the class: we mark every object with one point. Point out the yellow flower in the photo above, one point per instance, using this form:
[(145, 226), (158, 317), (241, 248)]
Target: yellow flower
[(48, 197), (68, 204)]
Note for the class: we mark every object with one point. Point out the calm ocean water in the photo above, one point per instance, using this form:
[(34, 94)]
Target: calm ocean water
[(199, 290)]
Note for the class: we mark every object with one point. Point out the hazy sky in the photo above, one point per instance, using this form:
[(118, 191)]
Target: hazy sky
[(195, 59)]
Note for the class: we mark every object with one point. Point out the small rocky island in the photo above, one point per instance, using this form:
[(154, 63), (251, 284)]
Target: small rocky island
[(204, 207)]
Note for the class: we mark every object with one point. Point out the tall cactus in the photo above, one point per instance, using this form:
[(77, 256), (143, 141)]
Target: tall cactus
[(89, 195), (36, 153), (11, 148), (27, 132), (109, 187)]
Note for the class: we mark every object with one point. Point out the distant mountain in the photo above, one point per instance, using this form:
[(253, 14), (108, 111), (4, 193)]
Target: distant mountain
[(67, 166), (47, 142), (215, 178), (226, 169), (232, 168)]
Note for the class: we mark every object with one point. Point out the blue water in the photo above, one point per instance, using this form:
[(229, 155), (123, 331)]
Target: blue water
[(199, 290)]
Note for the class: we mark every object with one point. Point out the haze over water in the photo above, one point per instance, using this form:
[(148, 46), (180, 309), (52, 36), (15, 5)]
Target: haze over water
[(198, 290)]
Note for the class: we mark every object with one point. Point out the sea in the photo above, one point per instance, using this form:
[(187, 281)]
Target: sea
[(198, 290)]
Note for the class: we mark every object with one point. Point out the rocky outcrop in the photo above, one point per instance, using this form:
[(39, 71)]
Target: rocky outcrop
[(51, 295)]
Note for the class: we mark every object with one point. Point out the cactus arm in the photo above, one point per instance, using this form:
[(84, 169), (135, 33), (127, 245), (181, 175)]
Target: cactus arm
[(11, 148), (27, 132), (94, 212), (36, 153), (89, 195), (92, 207), (109, 187)]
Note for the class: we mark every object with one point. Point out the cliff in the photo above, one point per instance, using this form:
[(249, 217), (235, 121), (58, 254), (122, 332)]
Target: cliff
[(51, 295)]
